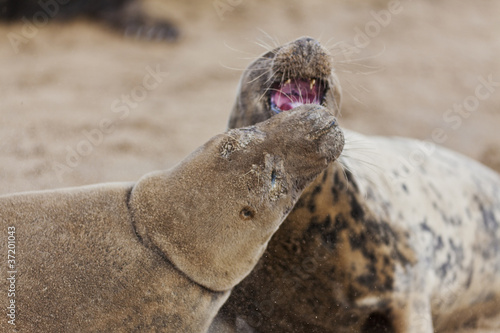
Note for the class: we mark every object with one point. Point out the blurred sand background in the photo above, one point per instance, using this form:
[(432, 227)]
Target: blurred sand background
[(66, 79)]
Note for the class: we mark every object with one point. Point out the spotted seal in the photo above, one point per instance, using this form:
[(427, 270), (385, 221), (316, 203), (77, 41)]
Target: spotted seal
[(389, 246), (122, 15), (161, 254)]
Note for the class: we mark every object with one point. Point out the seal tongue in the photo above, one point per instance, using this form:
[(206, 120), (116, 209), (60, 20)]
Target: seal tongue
[(294, 93)]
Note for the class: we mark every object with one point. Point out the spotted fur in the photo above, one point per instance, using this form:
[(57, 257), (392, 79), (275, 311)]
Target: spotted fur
[(402, 248)]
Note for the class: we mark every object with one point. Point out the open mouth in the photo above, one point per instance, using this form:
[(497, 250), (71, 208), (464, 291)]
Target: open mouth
[(293, 93)]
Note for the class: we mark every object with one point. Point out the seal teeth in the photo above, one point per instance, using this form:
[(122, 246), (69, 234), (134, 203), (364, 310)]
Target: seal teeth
[(313, 82)]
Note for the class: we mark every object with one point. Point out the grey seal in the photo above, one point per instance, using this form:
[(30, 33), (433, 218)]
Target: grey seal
[(407, 242), (161, 254)]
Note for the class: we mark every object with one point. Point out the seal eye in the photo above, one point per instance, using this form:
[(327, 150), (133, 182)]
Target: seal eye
[(247, 213)]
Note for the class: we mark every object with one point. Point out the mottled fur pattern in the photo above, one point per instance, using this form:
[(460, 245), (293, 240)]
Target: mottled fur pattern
[(161, 254), (404, 248)]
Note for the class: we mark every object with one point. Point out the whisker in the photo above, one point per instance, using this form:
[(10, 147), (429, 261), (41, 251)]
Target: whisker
[(370, 165), (336, 104), (235, 49), (344, 69), (365, 150), (301, 98), (270, 79), (354, 61), (239, 69), (342, 62), (258, 77), (267, 68), (262, 95), (263, 44), (273, 40), (266, 91), (286, 95), (283, 78), (327, 44), (356, 99), (345, 167)]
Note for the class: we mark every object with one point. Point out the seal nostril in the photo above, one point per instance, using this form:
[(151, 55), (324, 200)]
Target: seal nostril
[(247, 213)]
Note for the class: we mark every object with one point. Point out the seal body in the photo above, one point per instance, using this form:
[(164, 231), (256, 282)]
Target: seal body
[(391, 245), (123, 15), (161, 254), (81, 267)]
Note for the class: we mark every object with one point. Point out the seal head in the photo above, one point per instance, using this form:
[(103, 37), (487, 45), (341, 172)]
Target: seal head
[(297, 73), (253, 176)]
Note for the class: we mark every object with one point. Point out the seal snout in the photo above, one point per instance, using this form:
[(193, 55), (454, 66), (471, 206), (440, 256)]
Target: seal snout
[(301, 71), (325, 133), (322, 127), (316, 131)]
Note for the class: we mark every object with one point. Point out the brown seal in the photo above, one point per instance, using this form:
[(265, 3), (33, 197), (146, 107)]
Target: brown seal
[(161, 254), (386, 246)]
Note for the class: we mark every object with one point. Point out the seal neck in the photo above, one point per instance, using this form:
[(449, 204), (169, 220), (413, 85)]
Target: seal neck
[(190, 229)]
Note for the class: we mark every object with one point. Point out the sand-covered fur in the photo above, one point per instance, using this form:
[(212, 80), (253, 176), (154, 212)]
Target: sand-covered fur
[(385, 243), (161, 254)]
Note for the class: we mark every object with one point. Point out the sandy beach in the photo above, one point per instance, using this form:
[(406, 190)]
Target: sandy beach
[(81, 104)]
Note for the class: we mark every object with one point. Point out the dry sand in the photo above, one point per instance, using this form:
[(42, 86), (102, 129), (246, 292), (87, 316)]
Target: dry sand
[(69, 78)]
